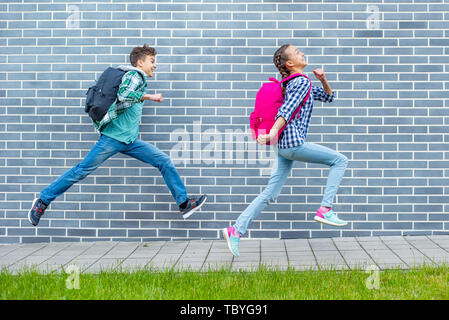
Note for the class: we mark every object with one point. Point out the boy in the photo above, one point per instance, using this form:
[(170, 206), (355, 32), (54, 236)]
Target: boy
[(119, 131)]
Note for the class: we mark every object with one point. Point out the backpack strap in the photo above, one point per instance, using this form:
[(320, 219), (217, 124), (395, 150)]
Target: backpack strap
[(293, 76), (140, 74), (305, 99)]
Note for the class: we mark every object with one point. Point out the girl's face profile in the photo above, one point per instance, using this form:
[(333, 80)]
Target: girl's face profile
[(296, 58)]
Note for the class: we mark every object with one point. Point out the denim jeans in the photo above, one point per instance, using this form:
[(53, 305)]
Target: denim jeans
[(105, 148), (307, 152)]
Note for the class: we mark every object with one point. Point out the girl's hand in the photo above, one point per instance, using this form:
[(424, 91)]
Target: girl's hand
[(319, 74), (264, 138)]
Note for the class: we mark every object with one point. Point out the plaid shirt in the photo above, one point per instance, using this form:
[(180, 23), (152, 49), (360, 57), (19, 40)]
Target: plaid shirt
[(295, 132), (131, 90)]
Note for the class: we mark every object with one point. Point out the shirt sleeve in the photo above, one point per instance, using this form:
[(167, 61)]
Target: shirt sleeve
[(296, 92), (321, 95), (128, 90)]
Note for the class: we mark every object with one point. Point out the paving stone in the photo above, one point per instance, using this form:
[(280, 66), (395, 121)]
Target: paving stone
[(303, 267), (437, 255), (348, 245), (189, 267), (392, 265), (294, 247), (374, 246), (247, 258), (322, 244), (368, 239), (82, 263), (216, 265), (134, 264), (333, 266), (244, 266), (202, 255)]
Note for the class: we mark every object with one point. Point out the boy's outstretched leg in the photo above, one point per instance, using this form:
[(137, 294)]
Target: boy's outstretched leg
[(148, 153), (100, 152)]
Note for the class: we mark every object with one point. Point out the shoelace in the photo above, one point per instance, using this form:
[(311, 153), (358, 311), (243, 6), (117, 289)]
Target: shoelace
[(40, 208)]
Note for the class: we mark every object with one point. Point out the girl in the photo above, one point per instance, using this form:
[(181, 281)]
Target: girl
[(292, 145)]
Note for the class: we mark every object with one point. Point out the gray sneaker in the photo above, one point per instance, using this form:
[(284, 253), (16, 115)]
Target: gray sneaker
[(193, 204), (36, 211)]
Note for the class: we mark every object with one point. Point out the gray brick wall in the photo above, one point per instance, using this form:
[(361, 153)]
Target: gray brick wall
[(390, 117)]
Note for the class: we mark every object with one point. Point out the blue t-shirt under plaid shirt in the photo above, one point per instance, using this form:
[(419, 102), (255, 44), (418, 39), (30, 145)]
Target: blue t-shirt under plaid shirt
[(295, 132)]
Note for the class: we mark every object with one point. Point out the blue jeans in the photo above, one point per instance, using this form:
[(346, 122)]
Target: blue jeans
[(105, 148), (307, 152)]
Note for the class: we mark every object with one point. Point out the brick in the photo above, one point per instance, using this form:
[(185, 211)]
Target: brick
[(389, 117)]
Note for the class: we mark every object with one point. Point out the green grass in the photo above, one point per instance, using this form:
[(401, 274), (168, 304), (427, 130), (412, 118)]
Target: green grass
[(419, 283)]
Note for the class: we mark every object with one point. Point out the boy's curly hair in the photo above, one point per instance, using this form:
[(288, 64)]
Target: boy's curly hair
[(139, 53)]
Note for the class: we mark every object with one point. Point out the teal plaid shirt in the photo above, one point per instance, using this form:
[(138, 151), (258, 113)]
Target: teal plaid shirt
[(131, 90)]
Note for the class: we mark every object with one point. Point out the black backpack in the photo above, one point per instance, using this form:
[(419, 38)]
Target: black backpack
[(102, 95)]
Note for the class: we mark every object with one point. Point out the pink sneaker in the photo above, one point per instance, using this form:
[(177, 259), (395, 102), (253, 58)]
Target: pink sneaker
[(329, 218), (233, 239)]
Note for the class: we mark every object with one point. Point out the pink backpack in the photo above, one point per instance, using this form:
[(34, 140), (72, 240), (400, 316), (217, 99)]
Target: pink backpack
[(269, 99)]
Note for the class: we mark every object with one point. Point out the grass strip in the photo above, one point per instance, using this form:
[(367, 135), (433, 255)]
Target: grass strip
[(426, 282)]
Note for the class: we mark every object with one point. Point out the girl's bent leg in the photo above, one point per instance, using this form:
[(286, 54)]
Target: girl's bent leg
[(314, 153)]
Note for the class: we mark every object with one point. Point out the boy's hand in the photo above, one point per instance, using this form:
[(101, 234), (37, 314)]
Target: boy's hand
[(157, 97), (153, 97), (319, 74)]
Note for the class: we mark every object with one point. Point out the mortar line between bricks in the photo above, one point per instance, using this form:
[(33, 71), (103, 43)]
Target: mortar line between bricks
[(121, 262), (394, 252), (341, 255), (154, 256), (437, 244), (207, 255), (28, 255), (101, 257), (314, 256), (420, 251), (367, 252)]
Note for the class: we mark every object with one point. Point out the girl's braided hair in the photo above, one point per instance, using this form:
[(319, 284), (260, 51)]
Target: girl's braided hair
[(279, 60)]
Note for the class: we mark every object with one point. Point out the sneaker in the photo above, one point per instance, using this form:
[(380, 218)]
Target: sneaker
[(192, 205), (36, 211), (329, 218), (232, 239)]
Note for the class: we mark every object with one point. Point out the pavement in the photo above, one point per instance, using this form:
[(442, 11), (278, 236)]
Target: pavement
[(384, 252)]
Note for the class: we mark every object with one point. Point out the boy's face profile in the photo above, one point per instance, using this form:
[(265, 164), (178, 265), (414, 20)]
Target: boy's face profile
[(148, 64)]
